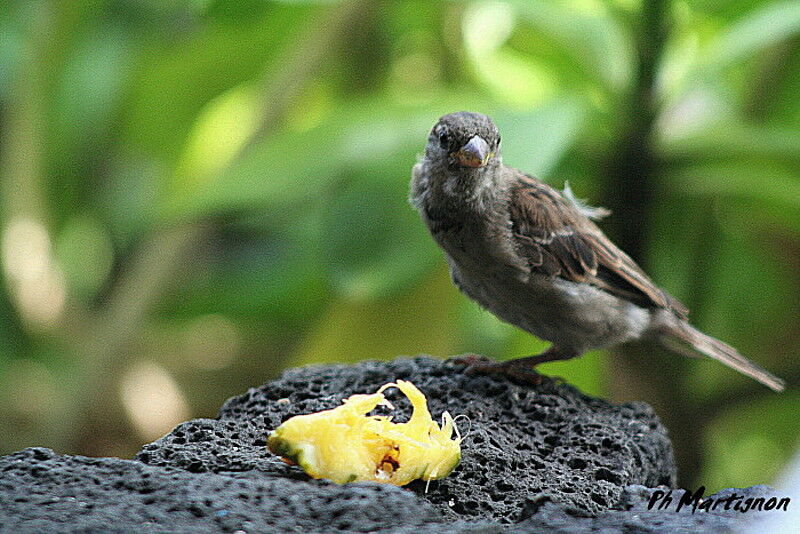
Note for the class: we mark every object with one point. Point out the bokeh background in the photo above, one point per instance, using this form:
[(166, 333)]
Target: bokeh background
[(198, 194)]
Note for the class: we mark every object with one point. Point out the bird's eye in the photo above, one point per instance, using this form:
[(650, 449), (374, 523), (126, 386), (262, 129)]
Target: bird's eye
[(444, 138)]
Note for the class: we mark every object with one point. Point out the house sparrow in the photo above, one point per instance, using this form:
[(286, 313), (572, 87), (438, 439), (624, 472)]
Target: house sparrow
[(532, 256)]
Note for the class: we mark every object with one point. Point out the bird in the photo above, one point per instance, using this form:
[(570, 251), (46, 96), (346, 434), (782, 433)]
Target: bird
[(533, 256)]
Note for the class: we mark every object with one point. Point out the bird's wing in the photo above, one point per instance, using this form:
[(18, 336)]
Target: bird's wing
[(557, 239)]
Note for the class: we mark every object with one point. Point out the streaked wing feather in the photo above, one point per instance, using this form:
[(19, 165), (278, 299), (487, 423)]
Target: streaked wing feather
[(557, 240)]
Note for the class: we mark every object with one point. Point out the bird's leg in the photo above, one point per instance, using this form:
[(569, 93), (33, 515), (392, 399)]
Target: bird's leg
[(552, 354), (521, 369)]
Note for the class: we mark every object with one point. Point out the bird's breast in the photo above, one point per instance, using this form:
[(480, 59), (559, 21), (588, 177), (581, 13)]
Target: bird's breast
[(471, 225), (476, 246)]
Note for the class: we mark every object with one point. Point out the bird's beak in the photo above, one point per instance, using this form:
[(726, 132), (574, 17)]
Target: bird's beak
[(475, 153)]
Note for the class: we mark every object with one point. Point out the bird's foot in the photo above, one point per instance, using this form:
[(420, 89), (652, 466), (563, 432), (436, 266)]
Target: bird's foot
[(470, 359), (475, 364), (523, 374)]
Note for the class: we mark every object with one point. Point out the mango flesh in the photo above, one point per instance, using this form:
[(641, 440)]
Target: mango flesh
[(345, 445)]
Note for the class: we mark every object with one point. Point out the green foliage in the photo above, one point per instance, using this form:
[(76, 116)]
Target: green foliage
[(755, 31), (217, 189)]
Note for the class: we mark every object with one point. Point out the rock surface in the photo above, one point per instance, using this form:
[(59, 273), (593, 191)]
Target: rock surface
[(635, 517), (535, 459), (44, 492), (520, 443)]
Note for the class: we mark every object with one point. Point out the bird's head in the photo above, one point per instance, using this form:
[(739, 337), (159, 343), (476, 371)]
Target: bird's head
[(464, 140)]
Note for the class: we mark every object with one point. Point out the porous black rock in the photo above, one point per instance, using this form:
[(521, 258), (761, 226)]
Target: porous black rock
[(535, 459), (521, 443), (43, 492), (638, 513)]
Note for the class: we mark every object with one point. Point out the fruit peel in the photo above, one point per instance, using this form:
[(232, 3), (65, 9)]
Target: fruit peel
[(344, 444)]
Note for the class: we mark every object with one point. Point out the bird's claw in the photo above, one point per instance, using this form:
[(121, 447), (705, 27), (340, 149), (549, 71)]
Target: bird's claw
[(469, 360), (524, 375), (476, 364)]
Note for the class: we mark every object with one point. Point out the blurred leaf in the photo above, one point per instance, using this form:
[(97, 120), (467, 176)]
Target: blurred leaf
[(419, 321), (174, 78), (292, 165), (759, 29), (783, 85), (680, 224), (742, 293), (89, 86), (749, 443), (727, 11), (374, 241), (590, 35), (271, 273), (11, 47), (86, 97), (773, 189), (218, 134), (480, 331), (511, 74), (535, 141), (85, 254), (12, 337), (734, 140), (310, 1), (127, 201)]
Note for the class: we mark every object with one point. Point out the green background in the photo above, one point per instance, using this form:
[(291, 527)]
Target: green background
[(198, 194)]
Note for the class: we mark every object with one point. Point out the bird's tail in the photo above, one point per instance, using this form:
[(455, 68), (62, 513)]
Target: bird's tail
[(714, 348)]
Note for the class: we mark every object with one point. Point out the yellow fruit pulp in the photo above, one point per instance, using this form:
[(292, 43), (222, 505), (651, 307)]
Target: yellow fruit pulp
[(345, 445)]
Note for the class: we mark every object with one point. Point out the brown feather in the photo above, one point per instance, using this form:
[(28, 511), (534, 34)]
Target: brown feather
[(558, 240)]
